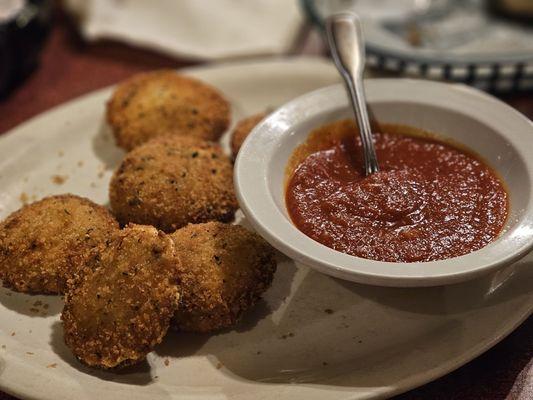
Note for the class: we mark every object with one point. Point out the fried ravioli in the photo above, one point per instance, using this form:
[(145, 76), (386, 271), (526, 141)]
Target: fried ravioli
[(118, 313), (45, 243), (243, 129), (171, 181), (224, 270), (164, 102)]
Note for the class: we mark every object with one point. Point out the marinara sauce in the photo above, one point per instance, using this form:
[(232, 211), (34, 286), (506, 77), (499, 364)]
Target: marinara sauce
[(430, 200)]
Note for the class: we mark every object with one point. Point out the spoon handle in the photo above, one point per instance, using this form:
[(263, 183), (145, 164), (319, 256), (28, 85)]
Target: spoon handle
[(347, 47)]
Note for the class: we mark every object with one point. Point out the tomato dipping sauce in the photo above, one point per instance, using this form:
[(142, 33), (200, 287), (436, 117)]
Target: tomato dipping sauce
[(430, 200)]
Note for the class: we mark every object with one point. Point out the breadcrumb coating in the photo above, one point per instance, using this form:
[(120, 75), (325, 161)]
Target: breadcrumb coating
[(45, 243), (242, 130), (171, 181), (119, 312), (224, 271), (164, 102)]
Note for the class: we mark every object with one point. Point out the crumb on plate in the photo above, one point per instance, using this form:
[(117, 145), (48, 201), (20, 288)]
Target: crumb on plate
[(24, 198), (58, 179)]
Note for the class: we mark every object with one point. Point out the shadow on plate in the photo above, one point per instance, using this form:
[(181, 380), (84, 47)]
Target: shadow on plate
[(31, 305), (330, 332), (105, 148), (138, 375), (318, 339), (182, 344), (461, 297), (2, 364)]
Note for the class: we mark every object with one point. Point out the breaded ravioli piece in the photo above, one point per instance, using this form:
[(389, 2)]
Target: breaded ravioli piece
[(243, 129), (45, 243), (171, 181), (118, 313), (166, 103), (224, 271)]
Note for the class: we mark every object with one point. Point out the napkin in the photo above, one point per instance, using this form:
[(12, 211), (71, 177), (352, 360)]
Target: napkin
[(197, 29)]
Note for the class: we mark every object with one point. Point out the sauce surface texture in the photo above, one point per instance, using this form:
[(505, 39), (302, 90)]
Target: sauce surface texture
[(430, 200)]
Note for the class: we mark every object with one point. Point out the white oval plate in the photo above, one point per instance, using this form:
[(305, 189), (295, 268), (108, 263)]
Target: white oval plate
[(313, 337)]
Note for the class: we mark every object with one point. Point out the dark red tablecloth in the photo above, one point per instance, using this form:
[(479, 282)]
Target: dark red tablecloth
[(70, 68)]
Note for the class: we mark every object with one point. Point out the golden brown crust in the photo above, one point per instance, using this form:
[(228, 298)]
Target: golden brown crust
[(119, 312), (45, 243), (171, 181), (243, 129), (224, 271), (166, 103)]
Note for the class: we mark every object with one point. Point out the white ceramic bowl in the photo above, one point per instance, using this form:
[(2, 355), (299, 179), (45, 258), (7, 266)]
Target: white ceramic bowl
[(501, 135)]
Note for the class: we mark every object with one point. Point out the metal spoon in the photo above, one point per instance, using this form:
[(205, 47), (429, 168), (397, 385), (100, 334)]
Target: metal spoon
[(345, 38)]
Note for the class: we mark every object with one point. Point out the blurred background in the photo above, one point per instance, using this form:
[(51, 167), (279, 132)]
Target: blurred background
[(53, 51)]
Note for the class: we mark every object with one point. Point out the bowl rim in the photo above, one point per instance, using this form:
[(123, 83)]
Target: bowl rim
[(258, 205)]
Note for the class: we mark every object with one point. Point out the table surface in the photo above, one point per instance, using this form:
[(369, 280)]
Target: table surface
[(70, 68)]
